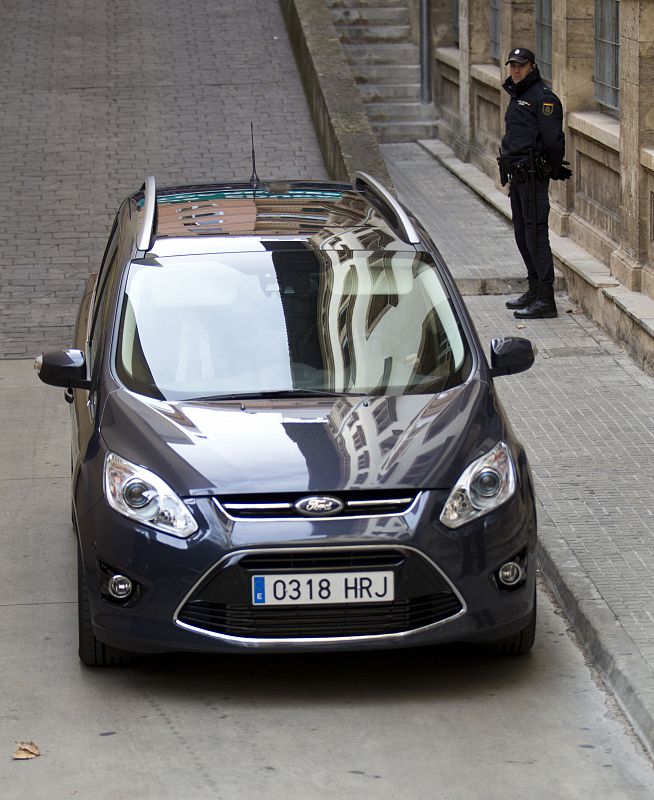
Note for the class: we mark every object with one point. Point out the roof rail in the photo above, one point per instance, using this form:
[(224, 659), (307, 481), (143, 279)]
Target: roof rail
[(366, 185), (146, 233)]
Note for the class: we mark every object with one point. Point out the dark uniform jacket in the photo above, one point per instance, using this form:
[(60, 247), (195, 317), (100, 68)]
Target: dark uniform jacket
[(534, 119)]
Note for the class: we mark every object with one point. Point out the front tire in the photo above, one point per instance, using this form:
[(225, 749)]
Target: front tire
[(521, 642), (92, 652)]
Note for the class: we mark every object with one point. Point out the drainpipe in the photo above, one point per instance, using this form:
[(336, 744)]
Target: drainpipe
[(425, 53)]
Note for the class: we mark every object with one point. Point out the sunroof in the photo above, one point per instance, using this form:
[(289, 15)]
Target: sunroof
[(237, 211)]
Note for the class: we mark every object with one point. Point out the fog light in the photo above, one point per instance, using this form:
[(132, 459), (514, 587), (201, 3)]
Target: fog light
[(120, 587), (510, 573)]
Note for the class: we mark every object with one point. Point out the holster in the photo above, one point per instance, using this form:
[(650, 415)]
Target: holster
[(543, 169)]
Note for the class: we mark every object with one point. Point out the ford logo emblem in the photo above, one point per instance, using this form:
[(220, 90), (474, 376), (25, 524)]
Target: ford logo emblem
[(319, 506)]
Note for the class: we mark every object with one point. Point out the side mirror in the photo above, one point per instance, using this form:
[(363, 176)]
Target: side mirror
[(509, 355), (65, 368)]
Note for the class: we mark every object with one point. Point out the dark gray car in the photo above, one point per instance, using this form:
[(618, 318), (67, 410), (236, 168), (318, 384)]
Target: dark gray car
[(285, 433)]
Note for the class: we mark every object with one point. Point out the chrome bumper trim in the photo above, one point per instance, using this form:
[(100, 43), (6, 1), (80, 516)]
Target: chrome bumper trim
[(268, 642)]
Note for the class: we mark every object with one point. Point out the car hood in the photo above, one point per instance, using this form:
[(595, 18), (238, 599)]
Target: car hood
[(304, 444)]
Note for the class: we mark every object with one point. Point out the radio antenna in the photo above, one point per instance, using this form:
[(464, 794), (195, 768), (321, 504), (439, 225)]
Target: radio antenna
[(254, 178)]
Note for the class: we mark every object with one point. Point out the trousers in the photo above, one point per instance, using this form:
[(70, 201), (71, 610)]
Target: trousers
[(540, 267)]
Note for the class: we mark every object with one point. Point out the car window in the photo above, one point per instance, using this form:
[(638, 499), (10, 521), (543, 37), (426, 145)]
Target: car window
[(101, 305), (373, 322), (117, 253)]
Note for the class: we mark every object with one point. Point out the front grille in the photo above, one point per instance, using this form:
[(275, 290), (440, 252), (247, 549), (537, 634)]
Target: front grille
[(222, 603), (322, 621), (324, 561), (354, 504)]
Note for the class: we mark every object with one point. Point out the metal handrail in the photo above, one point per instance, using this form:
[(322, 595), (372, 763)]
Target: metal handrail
[(406, 228), (149, 210)]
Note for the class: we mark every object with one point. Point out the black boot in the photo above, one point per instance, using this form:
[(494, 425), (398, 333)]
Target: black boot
[(543, 307), (524, 300)]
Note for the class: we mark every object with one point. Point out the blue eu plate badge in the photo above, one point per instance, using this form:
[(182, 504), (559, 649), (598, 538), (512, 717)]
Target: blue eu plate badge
[(259, 590)]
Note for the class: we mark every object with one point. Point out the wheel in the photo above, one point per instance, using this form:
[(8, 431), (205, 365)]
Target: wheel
[(521, 642), (92, 652)]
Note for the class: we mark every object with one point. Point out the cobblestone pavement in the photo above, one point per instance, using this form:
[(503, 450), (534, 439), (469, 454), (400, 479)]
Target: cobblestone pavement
[(442, 203), (97, 95), (585, 413)]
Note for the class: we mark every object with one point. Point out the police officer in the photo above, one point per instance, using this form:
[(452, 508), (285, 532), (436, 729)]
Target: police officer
[(531, 154)]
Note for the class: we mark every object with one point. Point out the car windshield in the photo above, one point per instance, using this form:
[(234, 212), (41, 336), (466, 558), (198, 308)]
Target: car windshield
[(288, 321)]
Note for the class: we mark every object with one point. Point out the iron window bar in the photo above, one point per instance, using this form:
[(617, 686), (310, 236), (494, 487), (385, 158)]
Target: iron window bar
[(146, 233), (544, 38), (387, 205), (494, 30), (607, 54)]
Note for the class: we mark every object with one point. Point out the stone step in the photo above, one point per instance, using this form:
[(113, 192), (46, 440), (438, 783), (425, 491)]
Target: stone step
[(401, 53), (374, 33), (354, 4), (385, 92), (403, 131), (401, 112), (369, 15), (386, 73)]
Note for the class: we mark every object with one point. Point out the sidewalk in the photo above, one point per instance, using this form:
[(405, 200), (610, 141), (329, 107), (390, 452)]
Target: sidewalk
[(585, 413)]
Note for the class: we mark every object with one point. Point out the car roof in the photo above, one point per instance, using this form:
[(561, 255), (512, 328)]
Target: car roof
[(361, 216)]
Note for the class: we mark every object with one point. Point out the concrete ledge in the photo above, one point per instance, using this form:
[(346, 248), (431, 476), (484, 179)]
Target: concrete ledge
[(346, 138), (488, 74), (628, 317), (597, 126), (448, 55)]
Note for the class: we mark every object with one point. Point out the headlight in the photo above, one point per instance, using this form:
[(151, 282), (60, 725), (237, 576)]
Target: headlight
[(141, 495), (484, 485)]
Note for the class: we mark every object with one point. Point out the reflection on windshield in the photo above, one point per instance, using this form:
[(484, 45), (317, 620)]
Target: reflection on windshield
[(289, 321)]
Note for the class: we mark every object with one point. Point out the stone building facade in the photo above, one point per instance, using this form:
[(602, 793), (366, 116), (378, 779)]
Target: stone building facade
[(599, 56)]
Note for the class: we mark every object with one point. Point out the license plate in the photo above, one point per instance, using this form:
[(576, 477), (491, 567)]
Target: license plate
[(323, 587)]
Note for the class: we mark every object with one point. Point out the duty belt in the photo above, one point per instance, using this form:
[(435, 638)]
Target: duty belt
[(520, 172)]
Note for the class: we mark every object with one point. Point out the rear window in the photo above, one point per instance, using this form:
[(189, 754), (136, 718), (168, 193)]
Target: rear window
[(275, 320)]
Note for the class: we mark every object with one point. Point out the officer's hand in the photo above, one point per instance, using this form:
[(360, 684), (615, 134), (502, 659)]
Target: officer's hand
[(562, 174)]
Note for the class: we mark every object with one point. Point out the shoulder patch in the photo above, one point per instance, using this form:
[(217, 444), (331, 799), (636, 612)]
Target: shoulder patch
[(548, 109)]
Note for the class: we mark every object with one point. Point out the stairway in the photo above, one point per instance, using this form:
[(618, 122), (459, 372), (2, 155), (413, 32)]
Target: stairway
[(385, 63)]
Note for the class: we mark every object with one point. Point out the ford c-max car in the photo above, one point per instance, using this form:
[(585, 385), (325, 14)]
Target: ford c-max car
[(285, 433)]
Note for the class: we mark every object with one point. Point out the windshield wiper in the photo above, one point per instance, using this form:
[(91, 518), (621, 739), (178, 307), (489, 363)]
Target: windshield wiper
[(278, 393)]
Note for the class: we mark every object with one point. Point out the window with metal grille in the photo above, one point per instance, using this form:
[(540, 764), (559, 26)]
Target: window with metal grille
[(455, 22), (494, 38), (607, 54), (544, 38)]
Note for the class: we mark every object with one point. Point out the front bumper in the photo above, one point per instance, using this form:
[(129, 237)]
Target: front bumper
[(454, 570)]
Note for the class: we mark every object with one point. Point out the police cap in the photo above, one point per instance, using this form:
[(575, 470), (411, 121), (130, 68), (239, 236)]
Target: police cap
[(521, 55)]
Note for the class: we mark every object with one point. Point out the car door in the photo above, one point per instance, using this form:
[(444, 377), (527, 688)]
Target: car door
[(96, 314)]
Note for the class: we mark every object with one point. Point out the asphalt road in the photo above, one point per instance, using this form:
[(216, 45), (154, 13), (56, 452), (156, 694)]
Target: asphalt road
[(437, 723)]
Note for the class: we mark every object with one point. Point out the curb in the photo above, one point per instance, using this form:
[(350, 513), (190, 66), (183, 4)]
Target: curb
[(599, 633)]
